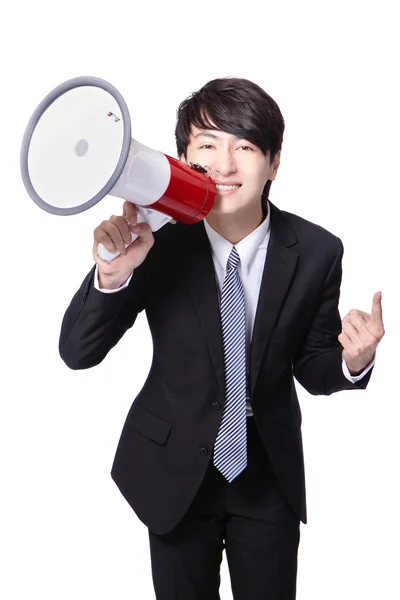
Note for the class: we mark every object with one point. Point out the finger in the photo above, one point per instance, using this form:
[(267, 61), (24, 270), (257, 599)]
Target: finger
[(115, 234), (352, 333), (345, 341), (109, 235), (101, 237), (376, 315), (357, 320), (144, 233), (364, 315), (130, 211), (124, 228)]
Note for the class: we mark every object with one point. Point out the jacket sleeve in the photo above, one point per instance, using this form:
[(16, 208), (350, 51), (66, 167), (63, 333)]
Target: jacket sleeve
[(318, 366), (94, 322)]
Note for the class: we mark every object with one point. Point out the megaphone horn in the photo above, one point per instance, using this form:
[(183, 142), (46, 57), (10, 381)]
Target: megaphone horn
[(77, 148)]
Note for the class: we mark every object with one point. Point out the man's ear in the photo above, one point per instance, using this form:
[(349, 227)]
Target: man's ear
[(275, 165)]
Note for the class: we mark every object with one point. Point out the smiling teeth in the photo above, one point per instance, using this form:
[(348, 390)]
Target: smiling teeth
[(227, 187)]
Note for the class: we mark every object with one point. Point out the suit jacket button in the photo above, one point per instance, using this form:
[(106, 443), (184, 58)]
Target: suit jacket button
[(216, 405), (203, 451)]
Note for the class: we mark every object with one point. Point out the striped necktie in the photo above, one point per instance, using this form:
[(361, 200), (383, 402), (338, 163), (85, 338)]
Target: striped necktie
[(230, 449)]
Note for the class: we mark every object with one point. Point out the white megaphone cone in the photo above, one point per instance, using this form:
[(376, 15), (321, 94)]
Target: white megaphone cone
[(77, 148)]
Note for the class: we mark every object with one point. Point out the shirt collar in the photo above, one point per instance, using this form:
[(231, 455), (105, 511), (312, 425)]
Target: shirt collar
[(246, 248)]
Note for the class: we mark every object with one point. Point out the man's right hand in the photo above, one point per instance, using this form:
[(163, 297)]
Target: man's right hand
[(114, 234)]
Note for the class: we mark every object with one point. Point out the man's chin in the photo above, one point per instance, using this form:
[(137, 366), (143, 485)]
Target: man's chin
[(225, 205)]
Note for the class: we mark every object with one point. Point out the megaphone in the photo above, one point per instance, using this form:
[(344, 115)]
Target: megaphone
[(77, 148)]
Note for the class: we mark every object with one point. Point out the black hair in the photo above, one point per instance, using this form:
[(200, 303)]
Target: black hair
[(236, 106)]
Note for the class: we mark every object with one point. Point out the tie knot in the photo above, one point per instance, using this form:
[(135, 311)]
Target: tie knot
[(233, 260)]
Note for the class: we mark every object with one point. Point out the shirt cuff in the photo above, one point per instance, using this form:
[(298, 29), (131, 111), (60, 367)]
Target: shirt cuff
[(356, 378), (104, 290)]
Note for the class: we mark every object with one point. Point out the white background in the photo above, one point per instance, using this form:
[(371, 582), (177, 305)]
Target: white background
[(66, 532)]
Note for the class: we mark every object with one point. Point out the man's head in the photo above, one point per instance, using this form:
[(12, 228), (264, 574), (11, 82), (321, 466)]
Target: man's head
[(232, 126)]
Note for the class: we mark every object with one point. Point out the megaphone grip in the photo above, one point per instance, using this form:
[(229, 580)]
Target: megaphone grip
[(108, 256)]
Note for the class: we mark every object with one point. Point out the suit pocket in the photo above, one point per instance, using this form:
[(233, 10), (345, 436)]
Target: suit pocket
[(152, 427)]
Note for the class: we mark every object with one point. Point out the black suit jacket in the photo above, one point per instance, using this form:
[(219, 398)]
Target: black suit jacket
[(168, 437)]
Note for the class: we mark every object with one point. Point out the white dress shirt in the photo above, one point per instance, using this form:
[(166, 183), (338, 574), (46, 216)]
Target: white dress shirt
[(253, 252)]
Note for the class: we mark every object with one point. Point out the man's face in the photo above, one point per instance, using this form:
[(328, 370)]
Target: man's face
[(236, 163)]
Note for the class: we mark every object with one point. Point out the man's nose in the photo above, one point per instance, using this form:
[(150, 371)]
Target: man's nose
[(225, 163)]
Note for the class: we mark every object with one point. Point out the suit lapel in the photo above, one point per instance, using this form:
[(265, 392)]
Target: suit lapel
[(279, 270), (200, 275)]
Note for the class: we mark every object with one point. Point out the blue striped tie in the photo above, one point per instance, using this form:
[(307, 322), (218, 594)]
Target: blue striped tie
[(230, 450)]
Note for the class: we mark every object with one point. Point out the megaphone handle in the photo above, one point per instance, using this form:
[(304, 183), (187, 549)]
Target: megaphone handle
[(108, 256)]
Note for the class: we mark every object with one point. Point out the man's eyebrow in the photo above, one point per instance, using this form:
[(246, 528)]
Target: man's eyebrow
[(205, 134), (211, 135)]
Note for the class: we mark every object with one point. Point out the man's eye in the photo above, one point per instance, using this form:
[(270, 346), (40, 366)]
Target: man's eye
[(206, 146), (245, 148)]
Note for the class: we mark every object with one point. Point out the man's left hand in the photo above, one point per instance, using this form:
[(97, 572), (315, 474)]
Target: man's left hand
[(361, 334)]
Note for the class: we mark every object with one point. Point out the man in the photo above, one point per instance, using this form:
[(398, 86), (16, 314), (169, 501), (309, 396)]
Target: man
[(210, 456)]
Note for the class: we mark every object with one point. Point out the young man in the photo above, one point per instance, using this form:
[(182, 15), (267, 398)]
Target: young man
[(210, 456)]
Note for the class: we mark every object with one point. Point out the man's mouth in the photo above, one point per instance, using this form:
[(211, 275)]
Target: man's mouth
[(222, 187)]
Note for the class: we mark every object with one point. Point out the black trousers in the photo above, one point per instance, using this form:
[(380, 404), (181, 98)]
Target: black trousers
[(250, 518)]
